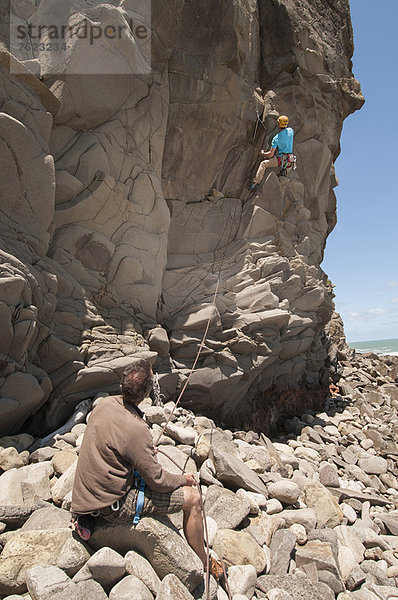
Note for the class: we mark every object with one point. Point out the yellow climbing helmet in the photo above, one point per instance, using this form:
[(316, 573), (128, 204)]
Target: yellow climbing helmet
[(283, 121)]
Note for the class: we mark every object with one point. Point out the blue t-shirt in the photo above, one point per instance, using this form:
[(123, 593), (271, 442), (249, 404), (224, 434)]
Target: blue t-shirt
[(284, 141)]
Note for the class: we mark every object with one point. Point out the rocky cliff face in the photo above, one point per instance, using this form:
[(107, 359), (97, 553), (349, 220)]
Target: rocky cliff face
[(124, 207)]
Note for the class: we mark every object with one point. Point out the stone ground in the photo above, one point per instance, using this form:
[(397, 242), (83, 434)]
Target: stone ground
[(312, 513)]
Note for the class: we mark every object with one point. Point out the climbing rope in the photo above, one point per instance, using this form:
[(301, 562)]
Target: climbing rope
[(213, 304), (202, 507), (158, 397), (170, 416), (191, 371), (156, 444)]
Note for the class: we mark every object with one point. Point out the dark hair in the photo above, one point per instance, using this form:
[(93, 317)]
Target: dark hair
[(136, 382)]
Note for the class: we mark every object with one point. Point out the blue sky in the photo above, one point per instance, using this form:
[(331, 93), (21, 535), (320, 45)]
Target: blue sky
[(361, 256)]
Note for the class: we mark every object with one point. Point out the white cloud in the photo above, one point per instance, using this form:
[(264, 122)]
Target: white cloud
[(354, 316), (394, 300), (392, 283), (377, 311)]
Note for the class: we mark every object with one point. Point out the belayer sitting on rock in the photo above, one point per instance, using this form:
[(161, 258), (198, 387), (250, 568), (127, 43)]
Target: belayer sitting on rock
[(281, 153), (118, 477)]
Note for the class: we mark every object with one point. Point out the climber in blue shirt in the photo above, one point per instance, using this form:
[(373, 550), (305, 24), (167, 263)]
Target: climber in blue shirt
[(282, 143)]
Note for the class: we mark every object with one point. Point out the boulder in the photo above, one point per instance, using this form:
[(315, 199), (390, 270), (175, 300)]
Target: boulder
[(207, 472), (215, 440), (140, 567), (328, 475), (27, 549), (49, 517), (320, 553), (377, 570), (64, 484), (185, 463), (257, 501), (62, 461), (44, 581), (182, 435), (159, 542), (373, 465), (84, 590), (10, 459), (239, 548), (282, 545), (21, 486), (273, 506), (171, 588), (332, 581), (303, 516), (356, 578), (278, 594), (42, 454), (299, 587), (158, 341), (285, 491), (130, 587), (20, 441), (242, 580), (328, 512), (105, 566), (233, 472), (18, 515), (347, 562), (261, 455), (349, 513), (225, 507), (390, 520), (155, 414), (268, 524), (348, 537)]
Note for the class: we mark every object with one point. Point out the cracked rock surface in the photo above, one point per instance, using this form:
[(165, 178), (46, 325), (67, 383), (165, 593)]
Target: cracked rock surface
[(124, 205)]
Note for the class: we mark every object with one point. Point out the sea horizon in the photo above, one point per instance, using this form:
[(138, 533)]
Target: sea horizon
[(386, 346)]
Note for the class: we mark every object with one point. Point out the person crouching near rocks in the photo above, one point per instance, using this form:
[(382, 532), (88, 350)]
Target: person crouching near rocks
[(118, 476)]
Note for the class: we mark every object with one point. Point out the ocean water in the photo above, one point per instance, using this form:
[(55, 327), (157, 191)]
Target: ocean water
[(377, 346)]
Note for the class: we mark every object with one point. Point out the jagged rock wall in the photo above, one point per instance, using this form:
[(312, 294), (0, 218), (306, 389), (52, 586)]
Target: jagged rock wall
[(124, 206)]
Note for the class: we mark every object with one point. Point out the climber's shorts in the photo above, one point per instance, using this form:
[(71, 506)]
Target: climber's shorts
[(155, 504)]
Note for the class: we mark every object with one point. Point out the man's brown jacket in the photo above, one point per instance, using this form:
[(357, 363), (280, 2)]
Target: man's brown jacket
[(117, 441)]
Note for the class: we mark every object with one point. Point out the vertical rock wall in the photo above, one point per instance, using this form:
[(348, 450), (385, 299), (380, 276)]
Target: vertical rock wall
[(124, 206)]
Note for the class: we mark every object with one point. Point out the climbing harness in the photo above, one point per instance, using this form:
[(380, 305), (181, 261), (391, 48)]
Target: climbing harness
[(286, 162), (139, 483)]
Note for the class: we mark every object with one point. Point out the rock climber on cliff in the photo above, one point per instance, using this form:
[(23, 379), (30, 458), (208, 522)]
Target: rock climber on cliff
[(280, 154), (118, 477)]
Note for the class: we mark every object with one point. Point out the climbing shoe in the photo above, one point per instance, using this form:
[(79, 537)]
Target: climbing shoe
[(215, 568), (253, 186)]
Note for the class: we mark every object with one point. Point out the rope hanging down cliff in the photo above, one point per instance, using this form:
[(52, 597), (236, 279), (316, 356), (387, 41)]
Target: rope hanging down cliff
[(213, 304), (156, 444)]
